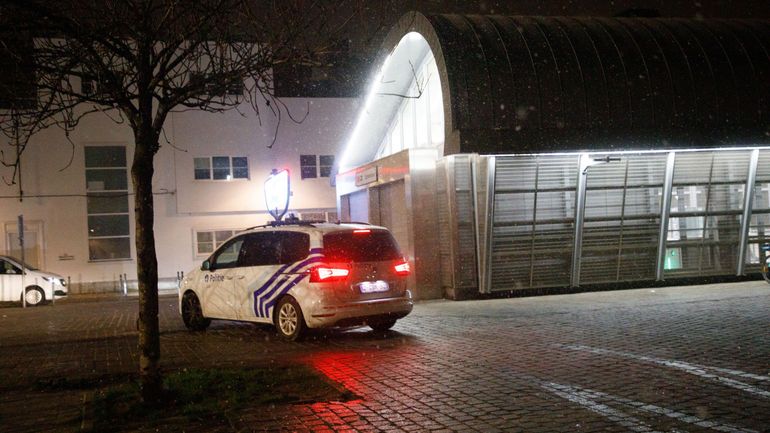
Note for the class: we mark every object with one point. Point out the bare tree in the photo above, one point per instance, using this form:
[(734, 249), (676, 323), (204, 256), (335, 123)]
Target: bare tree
[(139, 60)]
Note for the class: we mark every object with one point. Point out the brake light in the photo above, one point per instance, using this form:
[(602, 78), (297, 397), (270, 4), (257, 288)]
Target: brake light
[(402, 268), (361, 232), (329, 274)]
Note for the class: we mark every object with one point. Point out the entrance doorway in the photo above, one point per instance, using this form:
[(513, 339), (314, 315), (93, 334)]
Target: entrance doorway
[(33, 242)]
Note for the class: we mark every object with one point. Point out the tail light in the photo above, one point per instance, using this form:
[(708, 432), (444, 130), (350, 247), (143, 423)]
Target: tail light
[(329, 273), (402, 268)]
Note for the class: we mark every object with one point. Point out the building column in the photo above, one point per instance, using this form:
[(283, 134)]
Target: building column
[(748, 204), (665, 211), (580, 210)]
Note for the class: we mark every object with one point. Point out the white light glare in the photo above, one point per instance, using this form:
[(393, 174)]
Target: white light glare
[(367, 105)]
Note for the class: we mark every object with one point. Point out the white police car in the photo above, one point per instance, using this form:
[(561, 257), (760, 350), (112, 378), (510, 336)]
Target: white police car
[(301, 275)]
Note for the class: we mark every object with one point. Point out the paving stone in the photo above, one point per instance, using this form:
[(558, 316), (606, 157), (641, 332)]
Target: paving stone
[(673, 359)]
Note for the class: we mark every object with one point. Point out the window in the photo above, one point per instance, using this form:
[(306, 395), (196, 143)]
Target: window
[(91, 86), (294, 246), (235, 87), (308, 166), (326, 163), (206, 241), (227, 257), (7, 268), (18, 88), (109, 235), (377, 245), (261, 249), (336, 73), (221, 168), (274, 248)]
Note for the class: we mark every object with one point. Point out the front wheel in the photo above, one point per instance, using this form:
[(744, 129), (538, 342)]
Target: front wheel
[(34, 296), (289, 321), (192, 314)]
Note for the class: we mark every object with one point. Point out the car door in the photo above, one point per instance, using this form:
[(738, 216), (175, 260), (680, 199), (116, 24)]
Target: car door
[(10, 281), (217, 282), (295, 265), (261, 269)]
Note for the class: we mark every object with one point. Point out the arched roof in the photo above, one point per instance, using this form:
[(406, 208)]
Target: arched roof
[(528, 84)]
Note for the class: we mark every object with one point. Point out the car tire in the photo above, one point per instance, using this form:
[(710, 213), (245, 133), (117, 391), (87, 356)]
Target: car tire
[(289, 321), (382, 325), (34, 296), (192, 314)]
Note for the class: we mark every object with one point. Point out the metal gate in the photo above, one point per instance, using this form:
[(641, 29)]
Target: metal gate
[(589, 218)]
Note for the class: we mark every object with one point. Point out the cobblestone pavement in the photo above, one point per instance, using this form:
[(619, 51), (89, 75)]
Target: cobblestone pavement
[(678, 359)]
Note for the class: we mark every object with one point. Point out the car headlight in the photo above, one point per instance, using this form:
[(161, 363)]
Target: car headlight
[(60, 281)]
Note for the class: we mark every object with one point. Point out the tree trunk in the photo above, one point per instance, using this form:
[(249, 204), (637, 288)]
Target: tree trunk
[(151, 381)]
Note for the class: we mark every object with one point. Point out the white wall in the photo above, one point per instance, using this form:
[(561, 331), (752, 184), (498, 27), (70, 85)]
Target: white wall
[(182, 204)]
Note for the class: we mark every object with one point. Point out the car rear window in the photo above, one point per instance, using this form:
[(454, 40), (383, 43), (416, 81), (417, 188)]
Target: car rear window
[(372, 246)]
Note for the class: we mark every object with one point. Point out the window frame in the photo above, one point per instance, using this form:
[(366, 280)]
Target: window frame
[(215, 244), (303, 166), (213, 265), (323, 167), (112, 193), (211, 168)]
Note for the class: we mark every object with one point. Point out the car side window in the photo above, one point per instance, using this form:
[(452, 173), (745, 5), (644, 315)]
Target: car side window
[(6, 268), (261, 249), (294, 246), (227, 256)]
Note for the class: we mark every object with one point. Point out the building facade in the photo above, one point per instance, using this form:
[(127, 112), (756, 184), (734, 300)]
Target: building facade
[(530, 152), (77, 197)]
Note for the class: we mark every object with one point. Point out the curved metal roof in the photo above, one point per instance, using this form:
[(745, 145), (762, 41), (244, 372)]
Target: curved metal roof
[(524, 84)]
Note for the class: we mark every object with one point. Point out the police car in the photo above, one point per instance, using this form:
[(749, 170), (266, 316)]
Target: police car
[(301, 275)]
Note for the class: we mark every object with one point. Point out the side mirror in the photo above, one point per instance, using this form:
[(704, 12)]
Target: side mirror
[(206, 266)]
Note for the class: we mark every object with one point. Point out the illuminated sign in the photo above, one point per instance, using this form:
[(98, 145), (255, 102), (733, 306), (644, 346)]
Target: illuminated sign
[(366, 176), (277, 193)]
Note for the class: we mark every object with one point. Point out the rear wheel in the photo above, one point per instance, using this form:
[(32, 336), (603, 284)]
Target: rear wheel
[(382, 325), (192, 314), (289, 321), (34, 296)]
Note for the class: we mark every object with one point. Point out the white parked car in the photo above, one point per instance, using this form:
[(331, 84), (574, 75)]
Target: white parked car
[(39, 286), (299, 276)]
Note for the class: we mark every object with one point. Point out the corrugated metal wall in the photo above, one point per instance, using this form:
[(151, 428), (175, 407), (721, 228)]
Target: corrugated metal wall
[(457, 222), (535, 222)]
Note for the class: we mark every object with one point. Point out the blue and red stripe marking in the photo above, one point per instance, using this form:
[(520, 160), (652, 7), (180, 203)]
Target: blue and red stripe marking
[(281, 282)]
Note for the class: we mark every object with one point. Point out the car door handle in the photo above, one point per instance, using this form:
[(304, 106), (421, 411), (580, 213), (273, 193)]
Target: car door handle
[(240, 277)]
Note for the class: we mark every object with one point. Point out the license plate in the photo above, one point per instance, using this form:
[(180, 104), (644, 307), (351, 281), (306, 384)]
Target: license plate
[(373, 286)]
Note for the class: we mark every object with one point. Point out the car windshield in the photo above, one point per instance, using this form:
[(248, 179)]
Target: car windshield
[(360, 246)]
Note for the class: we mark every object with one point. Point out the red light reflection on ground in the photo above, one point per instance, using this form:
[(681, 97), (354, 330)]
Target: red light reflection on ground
[(343, 369)]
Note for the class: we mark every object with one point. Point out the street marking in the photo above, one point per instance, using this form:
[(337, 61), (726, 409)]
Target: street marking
[(622, 418), (737, 373), (591, 395), (697, 370)]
